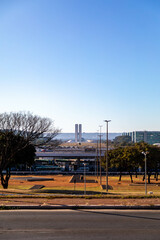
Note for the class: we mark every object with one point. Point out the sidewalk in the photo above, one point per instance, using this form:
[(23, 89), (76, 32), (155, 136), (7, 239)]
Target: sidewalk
[(78, 203)]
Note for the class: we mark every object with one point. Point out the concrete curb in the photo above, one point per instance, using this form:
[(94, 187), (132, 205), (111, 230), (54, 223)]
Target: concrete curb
[(74, 207)]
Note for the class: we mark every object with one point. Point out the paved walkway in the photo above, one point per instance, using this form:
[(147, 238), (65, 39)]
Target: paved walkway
[(51, 202)]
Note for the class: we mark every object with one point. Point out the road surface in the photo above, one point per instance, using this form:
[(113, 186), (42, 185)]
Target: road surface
[(79, 224)]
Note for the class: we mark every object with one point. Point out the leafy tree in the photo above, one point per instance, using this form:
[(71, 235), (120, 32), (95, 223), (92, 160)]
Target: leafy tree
[(115, 160), (11, 154), (25, 157), (18, 131), (122, 141), (153, 158), (130, 158), (133, 159)]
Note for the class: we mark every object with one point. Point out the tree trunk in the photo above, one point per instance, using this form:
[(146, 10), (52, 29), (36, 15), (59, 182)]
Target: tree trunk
[(130, 174), (143, 177), (5, 179), (157, 176), (149, 178), (136, 174), (120, 176)]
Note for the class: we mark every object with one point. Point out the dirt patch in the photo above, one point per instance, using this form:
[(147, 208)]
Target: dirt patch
[(79, 201), (62, 183), (80, 179), (19, 186)]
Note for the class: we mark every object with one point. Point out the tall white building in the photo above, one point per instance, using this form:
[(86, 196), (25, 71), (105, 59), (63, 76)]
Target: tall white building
[(78, 133)]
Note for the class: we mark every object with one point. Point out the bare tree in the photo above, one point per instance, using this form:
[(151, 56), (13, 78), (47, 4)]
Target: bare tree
[(17, 131), (31, 127)]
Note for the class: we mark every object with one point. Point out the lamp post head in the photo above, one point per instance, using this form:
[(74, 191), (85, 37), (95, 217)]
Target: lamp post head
[(145, 153), (107, 121)]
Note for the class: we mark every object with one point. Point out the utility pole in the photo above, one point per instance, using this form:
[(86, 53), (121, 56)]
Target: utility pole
[(145, 160), (97, 155), (107, 121), (84, 178), (100, 170)]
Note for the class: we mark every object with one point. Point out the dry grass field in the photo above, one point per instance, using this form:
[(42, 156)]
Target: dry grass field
[(62, 184), (122, 193)]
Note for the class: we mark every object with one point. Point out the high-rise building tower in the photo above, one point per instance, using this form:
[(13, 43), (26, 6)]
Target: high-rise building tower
[(78, 133)]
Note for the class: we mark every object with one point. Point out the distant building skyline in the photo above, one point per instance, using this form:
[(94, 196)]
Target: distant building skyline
[(150, 137), (86, 136)]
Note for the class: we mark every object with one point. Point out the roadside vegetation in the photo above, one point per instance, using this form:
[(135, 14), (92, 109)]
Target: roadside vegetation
[(19, 134), (130, 159)]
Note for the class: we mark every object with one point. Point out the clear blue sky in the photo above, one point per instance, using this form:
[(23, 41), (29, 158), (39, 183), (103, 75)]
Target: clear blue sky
[(82, 61)]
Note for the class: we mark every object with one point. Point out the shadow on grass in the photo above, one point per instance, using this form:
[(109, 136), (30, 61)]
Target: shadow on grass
[(76, 192)]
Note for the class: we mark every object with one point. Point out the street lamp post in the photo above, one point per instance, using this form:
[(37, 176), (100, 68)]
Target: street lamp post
[(84, 178), (100, 170), (107, 121), (97, 155), (145, 159)]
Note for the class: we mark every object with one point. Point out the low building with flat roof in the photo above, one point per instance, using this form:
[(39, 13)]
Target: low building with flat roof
[(150, 137)]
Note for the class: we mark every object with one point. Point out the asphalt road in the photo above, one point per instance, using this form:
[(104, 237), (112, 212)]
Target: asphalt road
[(80, 224)]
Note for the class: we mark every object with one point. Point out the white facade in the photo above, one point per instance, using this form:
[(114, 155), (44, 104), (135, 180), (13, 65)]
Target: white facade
[(78, 133)]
